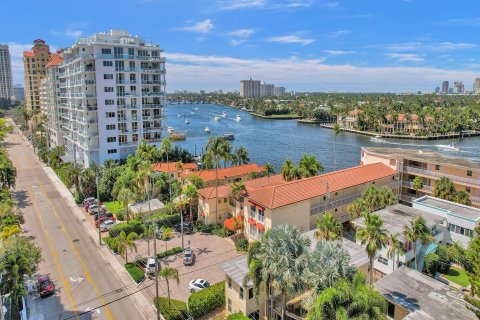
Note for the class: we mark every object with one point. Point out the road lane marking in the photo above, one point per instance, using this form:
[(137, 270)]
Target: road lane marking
[(74, 248), (55, 257)]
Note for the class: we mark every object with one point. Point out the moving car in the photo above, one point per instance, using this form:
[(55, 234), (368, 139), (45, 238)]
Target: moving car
[(188, 256), (106, 225), (197, 285), (150, 266), (45, 285)]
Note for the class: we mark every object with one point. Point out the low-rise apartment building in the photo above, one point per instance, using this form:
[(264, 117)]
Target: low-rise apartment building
[(226, 175), (428, 165), (270, 201), (172, 169)]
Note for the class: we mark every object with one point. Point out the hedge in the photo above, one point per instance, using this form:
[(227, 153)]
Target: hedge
[(241, 244), (111, 243), (169, 252), (237, 316), (135, 272), (444, 262), (204, 301), (177, 311), (128, 227), (431, 264), (167, 220)]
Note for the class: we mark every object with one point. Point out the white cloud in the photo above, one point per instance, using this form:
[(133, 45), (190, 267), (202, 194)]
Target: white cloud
[(303, 74), (204, 27), (297, 4), (265, 4), (291, 39), (67, 33), (475, 21), (440, 46), (331, 5), (338, 52), (242, 33), (236, 42), (339, 33), (405, 57), (241, 4)]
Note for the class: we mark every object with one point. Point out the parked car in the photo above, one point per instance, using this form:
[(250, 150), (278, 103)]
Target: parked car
[(188, 256), (103, 213), (150, 266), (87, 200), (89, 203), (103, 219), (106, 225), (94, 208), (187, 227), (197, 285), (45, 285)]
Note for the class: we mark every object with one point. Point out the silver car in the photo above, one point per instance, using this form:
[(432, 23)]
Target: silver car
[(188, 256)]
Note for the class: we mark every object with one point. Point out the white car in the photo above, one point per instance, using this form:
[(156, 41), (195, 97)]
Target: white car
[(197, 285), (150, 266), (105, 225), (94, 208)]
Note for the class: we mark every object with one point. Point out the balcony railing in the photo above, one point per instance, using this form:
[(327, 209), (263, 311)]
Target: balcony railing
[(127, 106), (127, 81), (425, 188), (152, 94), (428, 173), (126, 69)]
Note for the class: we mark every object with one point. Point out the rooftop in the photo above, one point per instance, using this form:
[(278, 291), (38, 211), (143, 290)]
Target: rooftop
[(237, 269), (55, 60), (226, 173), (424, 156), (172, 166), (303, 189), (143, 206), (451, 208), (425, 297), (397, 216)]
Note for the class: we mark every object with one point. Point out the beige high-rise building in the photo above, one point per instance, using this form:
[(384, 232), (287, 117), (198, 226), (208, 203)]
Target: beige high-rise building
[(476, 85), (6, 88), (34, 63)]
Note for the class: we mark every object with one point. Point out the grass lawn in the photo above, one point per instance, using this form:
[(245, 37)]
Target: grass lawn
[(458, 276), (113, 206)]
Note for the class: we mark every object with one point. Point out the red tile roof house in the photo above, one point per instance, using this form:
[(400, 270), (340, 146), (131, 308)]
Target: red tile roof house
[(268, 203), (226, 175), (171, 168)]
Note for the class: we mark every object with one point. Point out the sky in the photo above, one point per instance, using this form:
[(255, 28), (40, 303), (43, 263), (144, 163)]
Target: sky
[(303, 45)]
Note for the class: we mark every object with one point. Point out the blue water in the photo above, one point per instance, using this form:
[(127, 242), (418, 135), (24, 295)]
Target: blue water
[(276, 140)]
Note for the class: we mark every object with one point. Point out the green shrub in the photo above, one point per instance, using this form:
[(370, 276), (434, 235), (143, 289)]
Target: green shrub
[(169, 252), (202, 302), (135, 272), (431, 264), (111, 243), (443, 262), (221, 231), (237, 316), (202, 227), (167, 220), (128, 227), (241, 244), (121, 213), (175, 311)]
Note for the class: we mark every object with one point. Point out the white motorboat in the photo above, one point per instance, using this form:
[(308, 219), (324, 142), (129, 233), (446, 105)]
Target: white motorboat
[(216, 118), (451, 147), (196, 108), (224, 114), (170, 129), (378, 137), (186, 121), (179, 115), (237, 118), (207, 129)]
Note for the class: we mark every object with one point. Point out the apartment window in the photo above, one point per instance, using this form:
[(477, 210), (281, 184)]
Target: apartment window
[(467, 189), (131, 64), (110, 151), (109, 102), (108, 89), (469, 173), (437, 167), (108, 76), (107, 63), (254, 315), (229, 303), (106, 51), (250, 293), (131, 51), (110, 114), (111, 139), (382, 260), (229, 281), (240, 294), (118, 51), (224, 200), (110, 127)]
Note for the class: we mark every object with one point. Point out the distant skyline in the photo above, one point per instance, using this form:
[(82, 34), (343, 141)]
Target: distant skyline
[(304, 45)]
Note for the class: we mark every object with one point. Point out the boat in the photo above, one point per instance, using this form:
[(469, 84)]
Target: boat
[(177, 136), (216, 118), (378, 140), (207, 129), (186, 121), (378, 137), (191, 112), (179, 115), (451, 147), (196, 108), (237, 118), (228, 136), (170, 129), (224, 114)]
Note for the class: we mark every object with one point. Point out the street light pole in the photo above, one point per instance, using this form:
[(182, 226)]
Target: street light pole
[(98, 211), (181, 211), (157, 308)]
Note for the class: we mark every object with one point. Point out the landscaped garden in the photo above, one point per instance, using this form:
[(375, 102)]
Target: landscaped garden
[(113, 206), (458, 276)]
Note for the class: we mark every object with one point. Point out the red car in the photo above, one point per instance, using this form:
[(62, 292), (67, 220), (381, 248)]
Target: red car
[(102, 219), (45, 285)]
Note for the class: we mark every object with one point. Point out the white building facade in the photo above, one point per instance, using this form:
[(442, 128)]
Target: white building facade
[(6, 86), (250, 88), (114, 97)]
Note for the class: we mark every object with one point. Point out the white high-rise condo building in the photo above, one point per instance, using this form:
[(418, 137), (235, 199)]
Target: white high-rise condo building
[(6, 86), (114, 96), (250, 88), (266, 89), (476, 86), (279, 91)]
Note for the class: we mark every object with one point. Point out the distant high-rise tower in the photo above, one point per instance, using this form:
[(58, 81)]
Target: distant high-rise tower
[(250, 88), (458, 87), (445, 87), (476, 86), (34, 63), (6, 87), (437, 89), (279, 91), (266, 90), (19, 92)]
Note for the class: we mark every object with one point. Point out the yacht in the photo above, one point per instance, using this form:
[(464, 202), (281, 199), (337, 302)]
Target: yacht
[(207, 129), (179, 115), (451, 146), (228, 136), (224, 114), (177, 136), (237, 118), (196, 108), (186, 121), (170, 129), (216, 118)]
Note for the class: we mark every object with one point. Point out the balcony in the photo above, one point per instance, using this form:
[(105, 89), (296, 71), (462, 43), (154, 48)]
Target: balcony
[(127, 106), (152, 94), (127, 94), (126, 81), (425, 188), (151, 82), (151, 106), (152, 70), (434, 174), (126, 69), (152, 129)]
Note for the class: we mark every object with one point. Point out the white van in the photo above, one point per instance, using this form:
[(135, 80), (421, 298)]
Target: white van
[(150, 267)]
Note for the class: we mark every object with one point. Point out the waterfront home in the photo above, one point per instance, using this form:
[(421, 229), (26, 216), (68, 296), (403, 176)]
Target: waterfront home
[(271, 201), (428, 165), (350, 120), (226, 175), (406, 123), (413, 295), (172, 170), (239, 297)]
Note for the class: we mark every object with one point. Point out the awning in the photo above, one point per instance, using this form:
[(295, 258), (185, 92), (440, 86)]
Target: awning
[(260, 226), (251, 203), (234, 224), (251, 221), (260, 208)]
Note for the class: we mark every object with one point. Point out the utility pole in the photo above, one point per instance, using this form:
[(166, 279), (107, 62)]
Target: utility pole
[(98, 211), (181, 212), (157, 262), (74, 154), (48, 146)]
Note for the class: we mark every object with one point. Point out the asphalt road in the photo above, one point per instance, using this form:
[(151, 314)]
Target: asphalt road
[(86, 284)]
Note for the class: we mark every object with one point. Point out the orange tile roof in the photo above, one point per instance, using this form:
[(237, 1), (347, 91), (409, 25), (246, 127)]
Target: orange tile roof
[(354, 112), (304, 189), (250, 185), (55, 60), (28, 54), (230, 172), (172, 166)]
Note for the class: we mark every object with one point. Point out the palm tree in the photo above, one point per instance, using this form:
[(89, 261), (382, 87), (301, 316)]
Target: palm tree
[(13, 269), (8, 173), (357, 208), (336, 131), (167, 235), (169, 273), (191, 195), (288, 170), (236, 188), (444, 189), (144, 170), (125, 196), (125, 242), (349, 300), (309, 166), (462, 197), (241, 156), (374, 236), (395, 248), (417, 231), (329, 227), (148, 234), (9, 231), (417, 184), (166, 149), (269, 169), (125, 189)]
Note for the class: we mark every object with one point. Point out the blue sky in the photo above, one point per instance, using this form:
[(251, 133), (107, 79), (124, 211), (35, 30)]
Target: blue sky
[(304, 45)]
